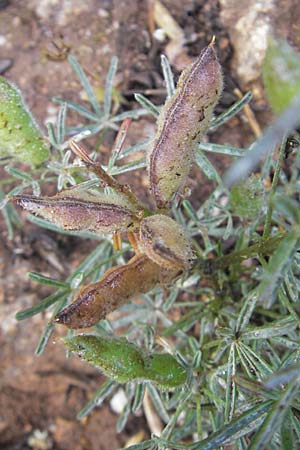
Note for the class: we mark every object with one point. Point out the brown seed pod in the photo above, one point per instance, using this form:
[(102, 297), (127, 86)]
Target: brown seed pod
[(81, 211), (182, 120), (164, 241), (116, 287)]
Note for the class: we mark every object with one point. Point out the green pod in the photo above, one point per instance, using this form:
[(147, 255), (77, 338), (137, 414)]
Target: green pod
[(124, 361), (20, 136), (183, 119), (281, 74), (164, 371), (117, 286), (116, 358), (164, 241), (81, 211)]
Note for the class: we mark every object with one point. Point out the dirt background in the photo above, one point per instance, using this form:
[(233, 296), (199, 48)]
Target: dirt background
[(45, 393)]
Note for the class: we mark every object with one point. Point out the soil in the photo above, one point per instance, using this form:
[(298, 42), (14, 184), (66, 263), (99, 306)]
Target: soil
[(45, 393)]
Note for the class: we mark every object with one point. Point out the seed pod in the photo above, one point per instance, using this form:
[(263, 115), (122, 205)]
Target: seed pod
[(124, 361), (82, 211), (20, 136), (164, 371), (116, 358), (181, 122), (116, 287), (164, 241)]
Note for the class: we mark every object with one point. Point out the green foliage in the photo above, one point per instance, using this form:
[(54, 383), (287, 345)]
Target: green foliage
[(281, 73), (123, 361), (19, 135), (229, 372)]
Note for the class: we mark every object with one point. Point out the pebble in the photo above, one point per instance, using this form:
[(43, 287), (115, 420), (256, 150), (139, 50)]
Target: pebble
[(118, 401)]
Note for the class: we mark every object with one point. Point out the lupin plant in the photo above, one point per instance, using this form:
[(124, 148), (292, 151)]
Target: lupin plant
[(228, 374)]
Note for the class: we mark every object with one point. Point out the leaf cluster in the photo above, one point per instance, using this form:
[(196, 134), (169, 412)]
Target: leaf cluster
[(237, 335)]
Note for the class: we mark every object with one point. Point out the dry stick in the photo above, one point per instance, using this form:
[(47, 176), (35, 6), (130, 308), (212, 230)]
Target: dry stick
[(120, 139), (117, 241), (124, 189), (133, 241), (254, 125), (154, 423)]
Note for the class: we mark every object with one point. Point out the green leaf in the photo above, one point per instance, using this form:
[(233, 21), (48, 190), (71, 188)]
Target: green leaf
[(283, 376), (147, 104), (230, 385), (275, 417), (276, 328), (42, 279), (41, 306), (231, 112), (265, 145), (287, 206), (146, 445), (98, 398), (85, 84), (123, 417), (158, 403), (78, 108), (238, 427), (168, 76), (20, 136), (138, 397), (276, 268), (210, 147), (206, 166), (247, 309), (49, 328), (109, 85), (281, 74)]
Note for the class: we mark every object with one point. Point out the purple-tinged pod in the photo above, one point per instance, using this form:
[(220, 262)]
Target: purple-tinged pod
[(117, 286), (165, 242), (75, 210), (183, 119)]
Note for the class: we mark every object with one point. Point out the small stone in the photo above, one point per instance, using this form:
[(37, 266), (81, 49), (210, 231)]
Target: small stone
[(5, 64), (118, 401), (3, 40), (249, 25), (103, 13), (160, 35)]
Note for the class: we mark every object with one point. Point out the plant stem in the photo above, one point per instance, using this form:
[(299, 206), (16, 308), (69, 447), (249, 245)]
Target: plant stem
[(267, 228), (124, 189), (264, 247)]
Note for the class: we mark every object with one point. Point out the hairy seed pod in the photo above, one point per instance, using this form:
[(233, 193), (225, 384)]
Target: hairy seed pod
[(182, 120), (164, 371), (164, 241), (117, 358), (94, 301), (124, 361), (20, 136), (81, 211)]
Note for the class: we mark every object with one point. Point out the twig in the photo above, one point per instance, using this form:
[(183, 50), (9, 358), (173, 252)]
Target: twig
[(250, 116), (98, 170)]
